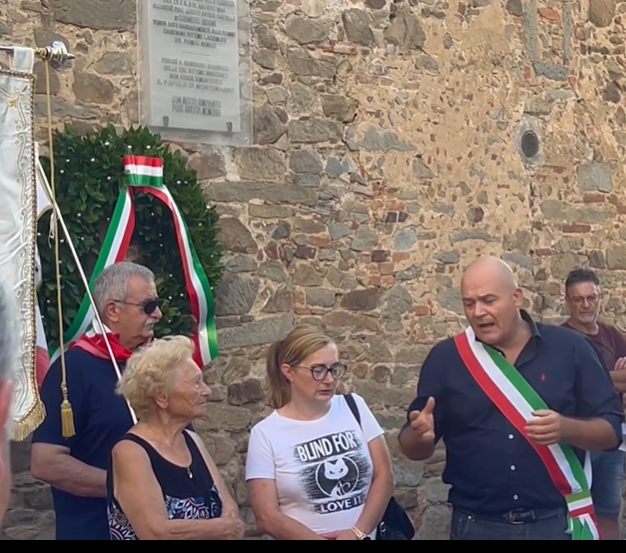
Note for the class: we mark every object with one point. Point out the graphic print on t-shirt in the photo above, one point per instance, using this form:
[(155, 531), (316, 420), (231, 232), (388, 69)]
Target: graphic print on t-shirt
[(333, 472)]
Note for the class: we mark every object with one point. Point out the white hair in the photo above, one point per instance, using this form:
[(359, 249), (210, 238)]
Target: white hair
[(112, 283)]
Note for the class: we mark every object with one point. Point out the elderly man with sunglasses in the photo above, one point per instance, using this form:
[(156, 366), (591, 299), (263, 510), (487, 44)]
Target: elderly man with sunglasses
[(126, 298)]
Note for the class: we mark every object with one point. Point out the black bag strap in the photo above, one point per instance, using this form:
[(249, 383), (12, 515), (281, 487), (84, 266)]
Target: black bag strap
[(354, 408)]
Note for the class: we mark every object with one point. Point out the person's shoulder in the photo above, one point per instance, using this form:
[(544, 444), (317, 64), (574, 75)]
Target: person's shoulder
[(443, 349), (265, 425), (610, 329), (77, 357), (128, 450), (340, 400), (75, 362), (564, 331), (564, 335)]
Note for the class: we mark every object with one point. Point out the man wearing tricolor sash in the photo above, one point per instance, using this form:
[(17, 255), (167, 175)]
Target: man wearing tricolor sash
[(518, 404)]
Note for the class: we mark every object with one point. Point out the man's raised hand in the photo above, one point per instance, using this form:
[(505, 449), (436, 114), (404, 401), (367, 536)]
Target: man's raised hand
[(423, 422)]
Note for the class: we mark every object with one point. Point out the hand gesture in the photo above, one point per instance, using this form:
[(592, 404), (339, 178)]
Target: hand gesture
[(423, 422), (620, 364), (545, 428)]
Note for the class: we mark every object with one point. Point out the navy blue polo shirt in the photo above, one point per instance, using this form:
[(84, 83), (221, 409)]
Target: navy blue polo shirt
[(101, 418), (491, 467)]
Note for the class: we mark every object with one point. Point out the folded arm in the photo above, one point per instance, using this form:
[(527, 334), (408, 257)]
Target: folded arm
[(589, 435), (139, 494), (619, 380), (54, 465)]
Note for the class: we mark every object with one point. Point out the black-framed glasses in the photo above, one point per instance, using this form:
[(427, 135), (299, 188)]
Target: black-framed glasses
[(148, 307), (320, 372)]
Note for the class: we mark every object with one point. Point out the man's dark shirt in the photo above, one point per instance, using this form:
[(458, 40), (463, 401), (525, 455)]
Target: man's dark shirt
[(608, 341), (491, 467), (101, 418)]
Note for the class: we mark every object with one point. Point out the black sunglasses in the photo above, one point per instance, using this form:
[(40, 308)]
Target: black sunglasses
[(148, 307)]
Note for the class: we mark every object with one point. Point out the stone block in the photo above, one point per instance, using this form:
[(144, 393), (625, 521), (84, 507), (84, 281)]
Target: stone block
[(242, 393), (361, 300), (405, 30), (595, 177), (260, 163), (223, 417), (307, 31), (236, 294), (20, 456), (616, 257), (281, 301), (268, 127), (602, 12), (260, 332), (357, 24), (112, 15), (93, 89), (221, 449), (306, 161)]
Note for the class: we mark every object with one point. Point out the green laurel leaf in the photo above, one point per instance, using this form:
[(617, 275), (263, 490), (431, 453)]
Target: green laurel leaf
[(89, 171)]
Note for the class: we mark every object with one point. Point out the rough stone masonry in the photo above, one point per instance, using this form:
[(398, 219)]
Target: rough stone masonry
[(387, 155)]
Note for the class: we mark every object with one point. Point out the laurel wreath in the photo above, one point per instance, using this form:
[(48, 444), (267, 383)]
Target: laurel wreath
[(89, 172)]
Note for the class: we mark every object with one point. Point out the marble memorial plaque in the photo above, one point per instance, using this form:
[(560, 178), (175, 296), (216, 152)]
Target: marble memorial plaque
[(191, 65)]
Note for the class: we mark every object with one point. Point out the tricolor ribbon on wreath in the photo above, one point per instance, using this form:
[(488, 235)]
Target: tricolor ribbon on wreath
[(145, 175), (517, 400)]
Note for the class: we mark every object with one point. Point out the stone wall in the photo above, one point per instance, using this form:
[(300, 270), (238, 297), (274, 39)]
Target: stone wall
[(387, 156)]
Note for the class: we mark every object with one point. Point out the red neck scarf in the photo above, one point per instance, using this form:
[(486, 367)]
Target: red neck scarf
[(96, 345)]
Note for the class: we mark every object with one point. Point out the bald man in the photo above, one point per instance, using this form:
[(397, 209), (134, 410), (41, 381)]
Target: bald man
[(517, 404)]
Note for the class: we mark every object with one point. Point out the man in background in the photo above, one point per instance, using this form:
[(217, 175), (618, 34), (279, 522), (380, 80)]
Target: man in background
[(583, 296), (8, 339)]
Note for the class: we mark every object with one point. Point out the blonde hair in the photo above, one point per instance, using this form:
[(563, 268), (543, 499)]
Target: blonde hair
[(301, 342), (150, 371)]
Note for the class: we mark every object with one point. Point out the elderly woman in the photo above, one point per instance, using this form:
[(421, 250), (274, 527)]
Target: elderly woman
[(313, 471), (163, 484)]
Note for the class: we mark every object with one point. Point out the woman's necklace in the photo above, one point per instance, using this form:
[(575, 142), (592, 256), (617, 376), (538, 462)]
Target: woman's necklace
[(188, 469)]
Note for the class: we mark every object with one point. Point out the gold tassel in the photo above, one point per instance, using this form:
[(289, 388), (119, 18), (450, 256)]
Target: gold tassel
[(67, 420), (68, 428)]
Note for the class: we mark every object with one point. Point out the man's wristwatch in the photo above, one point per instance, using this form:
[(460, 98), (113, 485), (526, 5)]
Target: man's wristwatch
[(360, 535)]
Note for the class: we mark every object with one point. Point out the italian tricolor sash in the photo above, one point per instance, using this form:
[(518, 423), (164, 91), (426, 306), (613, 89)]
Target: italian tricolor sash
[(517, 400), (145, 176)]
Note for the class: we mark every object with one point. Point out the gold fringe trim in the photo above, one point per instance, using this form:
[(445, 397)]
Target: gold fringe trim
[(24, 428)]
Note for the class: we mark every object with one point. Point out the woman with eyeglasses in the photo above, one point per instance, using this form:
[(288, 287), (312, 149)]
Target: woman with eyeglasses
[(314, 472)]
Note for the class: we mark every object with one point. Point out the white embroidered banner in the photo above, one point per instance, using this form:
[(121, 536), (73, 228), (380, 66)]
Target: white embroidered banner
[(44, 204), (18, 227)]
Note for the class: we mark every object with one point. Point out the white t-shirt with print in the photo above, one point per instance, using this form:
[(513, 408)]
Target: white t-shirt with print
[(323, 469)]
